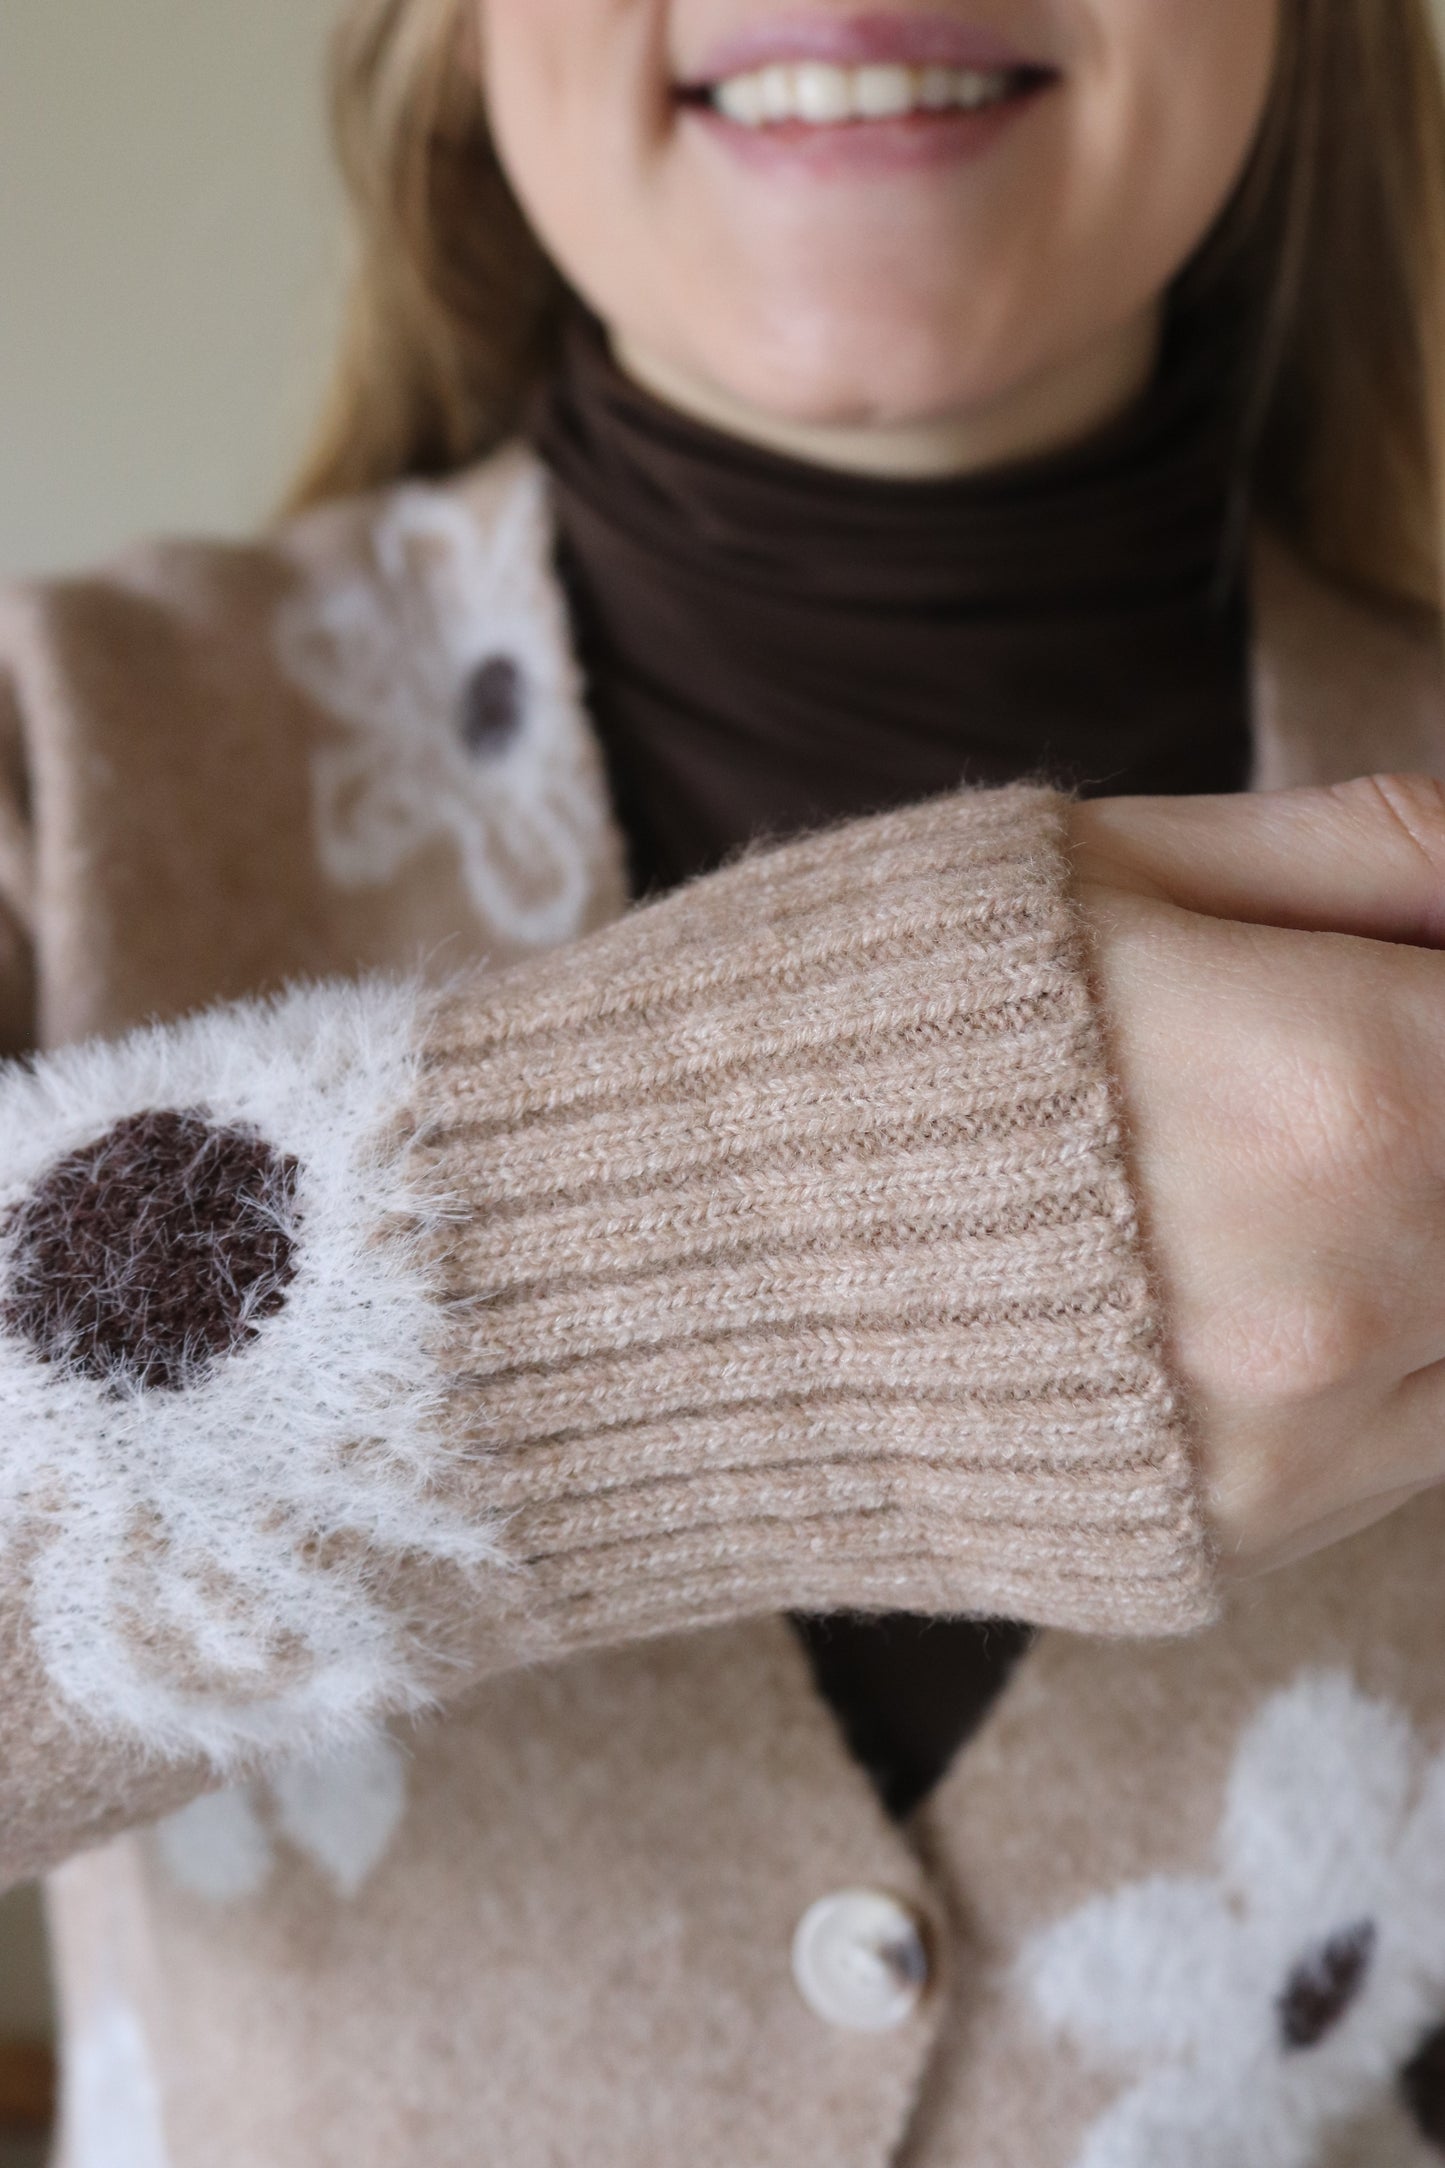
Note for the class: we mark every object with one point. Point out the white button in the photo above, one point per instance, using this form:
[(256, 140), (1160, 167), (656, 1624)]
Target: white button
[(860, 1960)]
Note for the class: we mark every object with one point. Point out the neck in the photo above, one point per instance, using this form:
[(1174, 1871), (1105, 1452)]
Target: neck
[(1047, 413)]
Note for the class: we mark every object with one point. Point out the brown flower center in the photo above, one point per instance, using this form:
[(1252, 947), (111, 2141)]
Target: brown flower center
[(1423, 2084), (145, 1256), (1325, 1985)]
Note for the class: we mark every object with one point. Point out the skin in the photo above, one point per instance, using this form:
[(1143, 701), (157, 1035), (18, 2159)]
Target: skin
[(1271, 977), (1020, 290), (1267, 964)]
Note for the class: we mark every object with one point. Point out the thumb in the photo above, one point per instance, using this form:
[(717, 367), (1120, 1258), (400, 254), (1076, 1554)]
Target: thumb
[(1364, 857)]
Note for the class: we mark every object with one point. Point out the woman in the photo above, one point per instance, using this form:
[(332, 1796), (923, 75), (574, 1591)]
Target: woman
[(1011, 397)]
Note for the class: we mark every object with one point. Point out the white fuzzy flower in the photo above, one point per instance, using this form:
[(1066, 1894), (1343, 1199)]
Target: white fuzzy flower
[(205, 1557), (1268, 2010), (448, 662), (112, 2105), (340, 1812)]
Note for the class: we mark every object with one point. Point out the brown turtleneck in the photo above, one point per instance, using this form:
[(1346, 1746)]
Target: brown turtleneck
[(772, 646)]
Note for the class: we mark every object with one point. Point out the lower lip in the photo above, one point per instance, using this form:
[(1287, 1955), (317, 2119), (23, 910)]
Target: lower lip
[(868, 146)]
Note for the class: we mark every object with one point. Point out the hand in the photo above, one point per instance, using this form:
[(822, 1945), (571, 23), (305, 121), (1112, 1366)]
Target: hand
[(1278, 1027)]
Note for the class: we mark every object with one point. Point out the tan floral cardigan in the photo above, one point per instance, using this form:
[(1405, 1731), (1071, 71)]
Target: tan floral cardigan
[(446, 1319)]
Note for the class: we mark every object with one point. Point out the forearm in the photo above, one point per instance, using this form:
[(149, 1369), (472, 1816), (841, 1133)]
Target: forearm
[(800, 1264), (771, 1249)]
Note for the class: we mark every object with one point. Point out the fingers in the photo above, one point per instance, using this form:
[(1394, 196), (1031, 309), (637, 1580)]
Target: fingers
[(1280, 1485), (1278, 1025), (1413, 1428), (1241, 1562), (1286, 1096), (1365, 857)]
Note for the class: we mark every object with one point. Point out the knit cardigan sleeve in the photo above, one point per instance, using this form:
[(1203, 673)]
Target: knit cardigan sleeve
[(772, 1247)]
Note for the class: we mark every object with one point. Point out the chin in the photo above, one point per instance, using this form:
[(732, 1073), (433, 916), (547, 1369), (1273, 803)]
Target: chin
[(835, 369)]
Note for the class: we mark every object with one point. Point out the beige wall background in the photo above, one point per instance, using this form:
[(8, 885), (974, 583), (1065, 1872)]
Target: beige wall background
[(169, 265)]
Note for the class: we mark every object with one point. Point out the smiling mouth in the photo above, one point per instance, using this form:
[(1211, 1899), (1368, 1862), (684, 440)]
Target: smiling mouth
[(825, 94)]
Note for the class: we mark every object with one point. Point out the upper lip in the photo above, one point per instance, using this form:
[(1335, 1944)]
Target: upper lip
[(854, 40)]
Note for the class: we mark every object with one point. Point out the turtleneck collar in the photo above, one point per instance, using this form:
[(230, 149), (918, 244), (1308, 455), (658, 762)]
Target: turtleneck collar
[(771, 645)]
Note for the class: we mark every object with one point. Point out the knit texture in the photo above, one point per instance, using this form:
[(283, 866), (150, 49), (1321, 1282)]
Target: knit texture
[(800, 1264), (771, 1248), (221, 1488), (712, 1182)]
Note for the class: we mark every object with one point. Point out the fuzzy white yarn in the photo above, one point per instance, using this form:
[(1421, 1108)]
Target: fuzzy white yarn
[(217, 1847), (112, 2107), (455, 581), (340, 1812), (1333, 1818), (163, 1534)]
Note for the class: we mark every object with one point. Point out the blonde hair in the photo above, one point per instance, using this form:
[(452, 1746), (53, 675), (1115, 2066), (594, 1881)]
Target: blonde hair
[(1334, 244)]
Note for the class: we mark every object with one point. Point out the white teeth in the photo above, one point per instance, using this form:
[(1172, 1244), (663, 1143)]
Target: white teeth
[(776, 85), (937, 89), (822, 94), (740, 99), (883, 93), (975, 90)]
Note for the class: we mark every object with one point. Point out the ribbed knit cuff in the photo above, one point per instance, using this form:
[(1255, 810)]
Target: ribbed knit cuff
[(796, 1262)]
